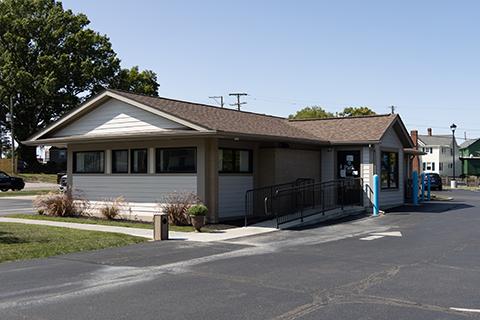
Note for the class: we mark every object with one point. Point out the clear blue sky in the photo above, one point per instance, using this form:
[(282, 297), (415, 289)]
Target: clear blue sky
[(421, 56)]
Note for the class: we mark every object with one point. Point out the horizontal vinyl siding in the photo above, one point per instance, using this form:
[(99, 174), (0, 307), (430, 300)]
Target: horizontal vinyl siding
[(117, 117), (141, 192), (231, 195)]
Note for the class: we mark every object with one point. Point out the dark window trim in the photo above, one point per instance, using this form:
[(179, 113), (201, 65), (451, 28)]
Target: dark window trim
[(174, 148), (397, 178), (250, 161), (131, 161), (128, 161), (75, 162)]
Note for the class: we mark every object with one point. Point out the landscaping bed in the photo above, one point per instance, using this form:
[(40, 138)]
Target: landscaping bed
[(20, 241)]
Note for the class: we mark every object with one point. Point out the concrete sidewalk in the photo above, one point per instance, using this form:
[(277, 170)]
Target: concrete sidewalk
[(219, 235)]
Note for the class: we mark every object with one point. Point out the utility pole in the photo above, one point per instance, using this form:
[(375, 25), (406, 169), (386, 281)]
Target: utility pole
[(218, 97), (238, 95), (393, 109), (12, 132)]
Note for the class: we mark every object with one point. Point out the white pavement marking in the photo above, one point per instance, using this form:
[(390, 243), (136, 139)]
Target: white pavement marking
[(371, 238), (388, 234), (465, 310)]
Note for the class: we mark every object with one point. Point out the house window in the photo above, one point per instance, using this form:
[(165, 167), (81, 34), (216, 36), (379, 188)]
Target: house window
[(235, 161), (431, 150), (176, 160), (389, 173), (89, 162), (120, 161), (139, 161), (433, 166), (424, 166), (429, 166), (440, 166)]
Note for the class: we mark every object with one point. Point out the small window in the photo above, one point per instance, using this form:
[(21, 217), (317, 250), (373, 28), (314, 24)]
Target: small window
[(176, 160), (235, 161), (433, 166), (389, 172), (424, 166), (440, 166), (120, 161), (89, 162), (139, 161), (431, 150)]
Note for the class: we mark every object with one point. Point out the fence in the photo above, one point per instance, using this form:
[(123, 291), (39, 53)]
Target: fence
[(6, 165)]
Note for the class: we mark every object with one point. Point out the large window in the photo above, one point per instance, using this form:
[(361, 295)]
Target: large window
[(235, 161), (88, 162), (389, 174), (139, 161), (119, 161), (176, 160)]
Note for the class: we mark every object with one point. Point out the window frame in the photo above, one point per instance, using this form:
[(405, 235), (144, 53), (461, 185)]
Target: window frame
[(396, 171), (250, 162), (75, 153), (113, 159), (132, 162), (158, 159)]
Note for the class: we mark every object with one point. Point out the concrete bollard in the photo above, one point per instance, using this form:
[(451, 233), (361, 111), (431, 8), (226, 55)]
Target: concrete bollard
[(160, 227)]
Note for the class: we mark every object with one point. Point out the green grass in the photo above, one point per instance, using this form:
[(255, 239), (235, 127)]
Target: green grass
[(93, 220), (21, 241), (38, 177), (25, 193)]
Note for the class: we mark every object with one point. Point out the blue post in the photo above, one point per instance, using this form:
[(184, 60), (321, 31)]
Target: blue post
[(422, 196), (415, 188), (429, 187), (376, 191)]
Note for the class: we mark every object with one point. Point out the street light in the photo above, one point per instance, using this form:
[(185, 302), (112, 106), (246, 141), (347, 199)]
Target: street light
[(453, 127)]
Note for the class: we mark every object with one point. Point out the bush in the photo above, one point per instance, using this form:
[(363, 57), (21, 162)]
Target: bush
[(197, 210), (61, 204), (112, 208), (176, 204)]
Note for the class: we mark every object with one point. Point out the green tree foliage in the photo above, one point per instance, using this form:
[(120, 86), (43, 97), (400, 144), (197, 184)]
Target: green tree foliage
[(356, 111), (50, 61), (133, 80), (313, 112)]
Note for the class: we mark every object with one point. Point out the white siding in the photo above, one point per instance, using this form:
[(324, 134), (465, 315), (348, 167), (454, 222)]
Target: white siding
[(141, 192), (117, 117), (231, 194), (328, 164), (366, 171)]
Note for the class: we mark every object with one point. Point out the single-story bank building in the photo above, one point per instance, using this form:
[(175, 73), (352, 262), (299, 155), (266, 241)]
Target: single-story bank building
[(142, 147)]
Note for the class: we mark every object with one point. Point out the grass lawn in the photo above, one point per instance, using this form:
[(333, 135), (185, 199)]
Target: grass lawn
[(21, 241), (24, 193), (93, 220), (38, 177)]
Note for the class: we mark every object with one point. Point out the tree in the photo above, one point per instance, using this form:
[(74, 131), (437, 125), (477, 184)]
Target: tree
[(5, 144), (313, 112), (133, 80), (356, 111), (50, 61)]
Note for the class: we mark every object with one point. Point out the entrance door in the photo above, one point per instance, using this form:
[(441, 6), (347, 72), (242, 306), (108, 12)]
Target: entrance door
[(348, 168)]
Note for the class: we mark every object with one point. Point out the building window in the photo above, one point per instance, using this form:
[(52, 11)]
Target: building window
[(89, 162), (429, 166), (440, 166), (431, 150), (433, 166), (424, 166), (176, 160), (119, 161), (139, 161), (389, 173), (235, 161)]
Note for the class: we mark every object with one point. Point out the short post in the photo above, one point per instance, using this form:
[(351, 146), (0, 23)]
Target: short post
[(160, 226), (429, 186), (376, 196), (415, 188), (422, 195)]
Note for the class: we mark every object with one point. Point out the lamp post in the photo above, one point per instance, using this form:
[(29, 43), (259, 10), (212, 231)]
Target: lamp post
[(453, 127)]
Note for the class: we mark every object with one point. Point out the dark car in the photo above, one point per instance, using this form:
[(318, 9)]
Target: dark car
[(435, 181), (7, 182)]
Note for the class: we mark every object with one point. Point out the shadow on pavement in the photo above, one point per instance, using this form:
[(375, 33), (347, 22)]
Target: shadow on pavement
[(430, 207)]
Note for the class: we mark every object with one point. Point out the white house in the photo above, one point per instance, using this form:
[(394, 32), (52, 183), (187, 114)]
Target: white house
[(439, 154)]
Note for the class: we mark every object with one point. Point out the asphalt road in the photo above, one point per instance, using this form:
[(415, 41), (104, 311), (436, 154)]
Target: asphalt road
[(11, 205), (322, 272)]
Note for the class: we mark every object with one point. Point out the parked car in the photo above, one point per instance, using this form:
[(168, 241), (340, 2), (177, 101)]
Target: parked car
[(7, 182), (63, 186), (435, 181)]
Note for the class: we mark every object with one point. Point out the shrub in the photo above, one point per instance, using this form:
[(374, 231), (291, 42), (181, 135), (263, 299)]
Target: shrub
[(197, 210), (61, 204), (176, 204), (112, 208)]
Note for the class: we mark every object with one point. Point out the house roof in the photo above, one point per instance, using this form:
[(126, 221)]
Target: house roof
[(215, 120), (468, 143), (436, 140)]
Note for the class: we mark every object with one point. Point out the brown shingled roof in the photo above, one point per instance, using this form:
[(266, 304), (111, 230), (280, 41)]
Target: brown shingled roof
[(348, 129)]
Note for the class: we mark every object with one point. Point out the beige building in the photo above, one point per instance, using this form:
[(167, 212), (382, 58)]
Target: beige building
[(142, 148)]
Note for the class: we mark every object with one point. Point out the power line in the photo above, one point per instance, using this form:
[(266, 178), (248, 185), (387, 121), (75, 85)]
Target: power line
[(238, 103), (218, 97)]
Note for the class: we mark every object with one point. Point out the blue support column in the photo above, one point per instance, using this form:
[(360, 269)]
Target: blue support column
[(422, 196), (415, 188), (376, 196), (429, 187)]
